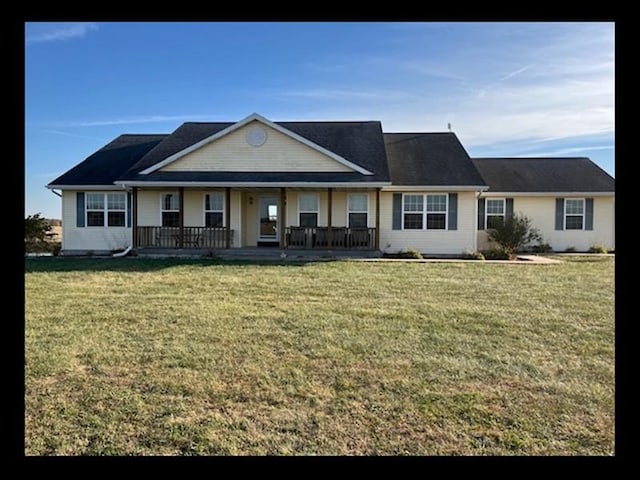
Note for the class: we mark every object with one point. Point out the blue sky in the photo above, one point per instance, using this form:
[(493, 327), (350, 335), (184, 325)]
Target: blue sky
[(508, 89)]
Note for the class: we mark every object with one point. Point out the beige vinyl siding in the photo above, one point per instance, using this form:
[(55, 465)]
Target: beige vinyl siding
[(280, 153), (541, 210), (96, 239), (445, 242), (149, 207)]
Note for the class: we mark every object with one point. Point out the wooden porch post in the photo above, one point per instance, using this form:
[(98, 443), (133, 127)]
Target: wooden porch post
[(134, 217), (227, 215), (329, 222), (283, 216), (181, 216), (377, 239)]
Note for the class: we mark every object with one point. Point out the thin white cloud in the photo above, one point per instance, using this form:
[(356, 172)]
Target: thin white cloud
[(565, 151), (40, 33), (130, 120), (515, 72), (68, 134)]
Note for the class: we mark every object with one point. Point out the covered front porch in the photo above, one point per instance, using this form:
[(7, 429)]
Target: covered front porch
[(243, 217)]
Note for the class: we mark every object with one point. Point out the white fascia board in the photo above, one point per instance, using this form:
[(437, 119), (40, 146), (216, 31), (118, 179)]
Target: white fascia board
[(242, 123), (435, 188), (154, 184), (548, 194), (86, 187)]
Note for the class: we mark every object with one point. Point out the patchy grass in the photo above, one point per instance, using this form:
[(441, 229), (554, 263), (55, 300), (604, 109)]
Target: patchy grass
[(169, 357)]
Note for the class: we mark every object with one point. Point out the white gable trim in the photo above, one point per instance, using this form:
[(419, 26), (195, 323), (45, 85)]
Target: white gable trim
[(241, 124)]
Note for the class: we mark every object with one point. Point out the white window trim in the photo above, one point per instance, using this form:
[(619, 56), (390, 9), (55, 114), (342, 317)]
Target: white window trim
[(425, 211), (358, 211), (564, 219), (105, 210), (162, 194), (205, 211), (487, 214), (317, 212)]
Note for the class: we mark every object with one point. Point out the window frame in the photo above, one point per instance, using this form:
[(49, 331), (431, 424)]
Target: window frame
[(162, 210), (425, 211), (436, 212), (487, 214), (349, 211), (582, 215), (205, 211), (317, 211), (105, 210)]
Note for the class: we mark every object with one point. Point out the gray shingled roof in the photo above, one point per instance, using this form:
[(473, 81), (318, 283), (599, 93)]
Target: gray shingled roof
[(544, 175), (429, 159), (359, 142), (107, 164)]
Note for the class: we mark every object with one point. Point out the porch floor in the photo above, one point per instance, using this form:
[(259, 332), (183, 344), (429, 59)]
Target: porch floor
[(258, 253)]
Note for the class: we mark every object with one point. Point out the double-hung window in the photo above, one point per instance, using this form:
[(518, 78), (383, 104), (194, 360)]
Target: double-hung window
[(424, 211), (413, 212), (436, 212), (213, 210), (574, 214), (358, 210), (170, 210), (308, 209), (495, 212), (106, 209)]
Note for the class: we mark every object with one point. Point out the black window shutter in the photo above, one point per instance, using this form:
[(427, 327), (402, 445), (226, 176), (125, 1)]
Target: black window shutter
[(129, 209), (588, 217), (453, 211), (508, 208), (79, 209), (559, 213), (481, 213), (397, 211)]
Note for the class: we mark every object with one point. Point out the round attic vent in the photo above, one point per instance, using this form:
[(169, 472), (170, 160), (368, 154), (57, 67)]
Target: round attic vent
[(256, 136)]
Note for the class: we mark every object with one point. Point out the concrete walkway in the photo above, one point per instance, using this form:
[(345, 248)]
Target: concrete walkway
[(521, 260)]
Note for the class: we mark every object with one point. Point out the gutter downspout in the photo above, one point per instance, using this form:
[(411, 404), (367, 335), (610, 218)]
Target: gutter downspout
[(122, 254)]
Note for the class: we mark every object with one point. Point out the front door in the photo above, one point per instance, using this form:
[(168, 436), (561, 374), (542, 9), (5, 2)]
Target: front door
[(268, 218)]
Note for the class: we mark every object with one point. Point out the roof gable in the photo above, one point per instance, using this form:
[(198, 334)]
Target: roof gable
[(233, 152), (543, 174), (255, 118)]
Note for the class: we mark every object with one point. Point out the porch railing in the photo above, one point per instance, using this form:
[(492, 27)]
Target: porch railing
[(338, 238), (192, 237)]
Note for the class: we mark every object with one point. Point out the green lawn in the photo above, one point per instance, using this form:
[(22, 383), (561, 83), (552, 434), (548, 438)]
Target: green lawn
[(164, 357)]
